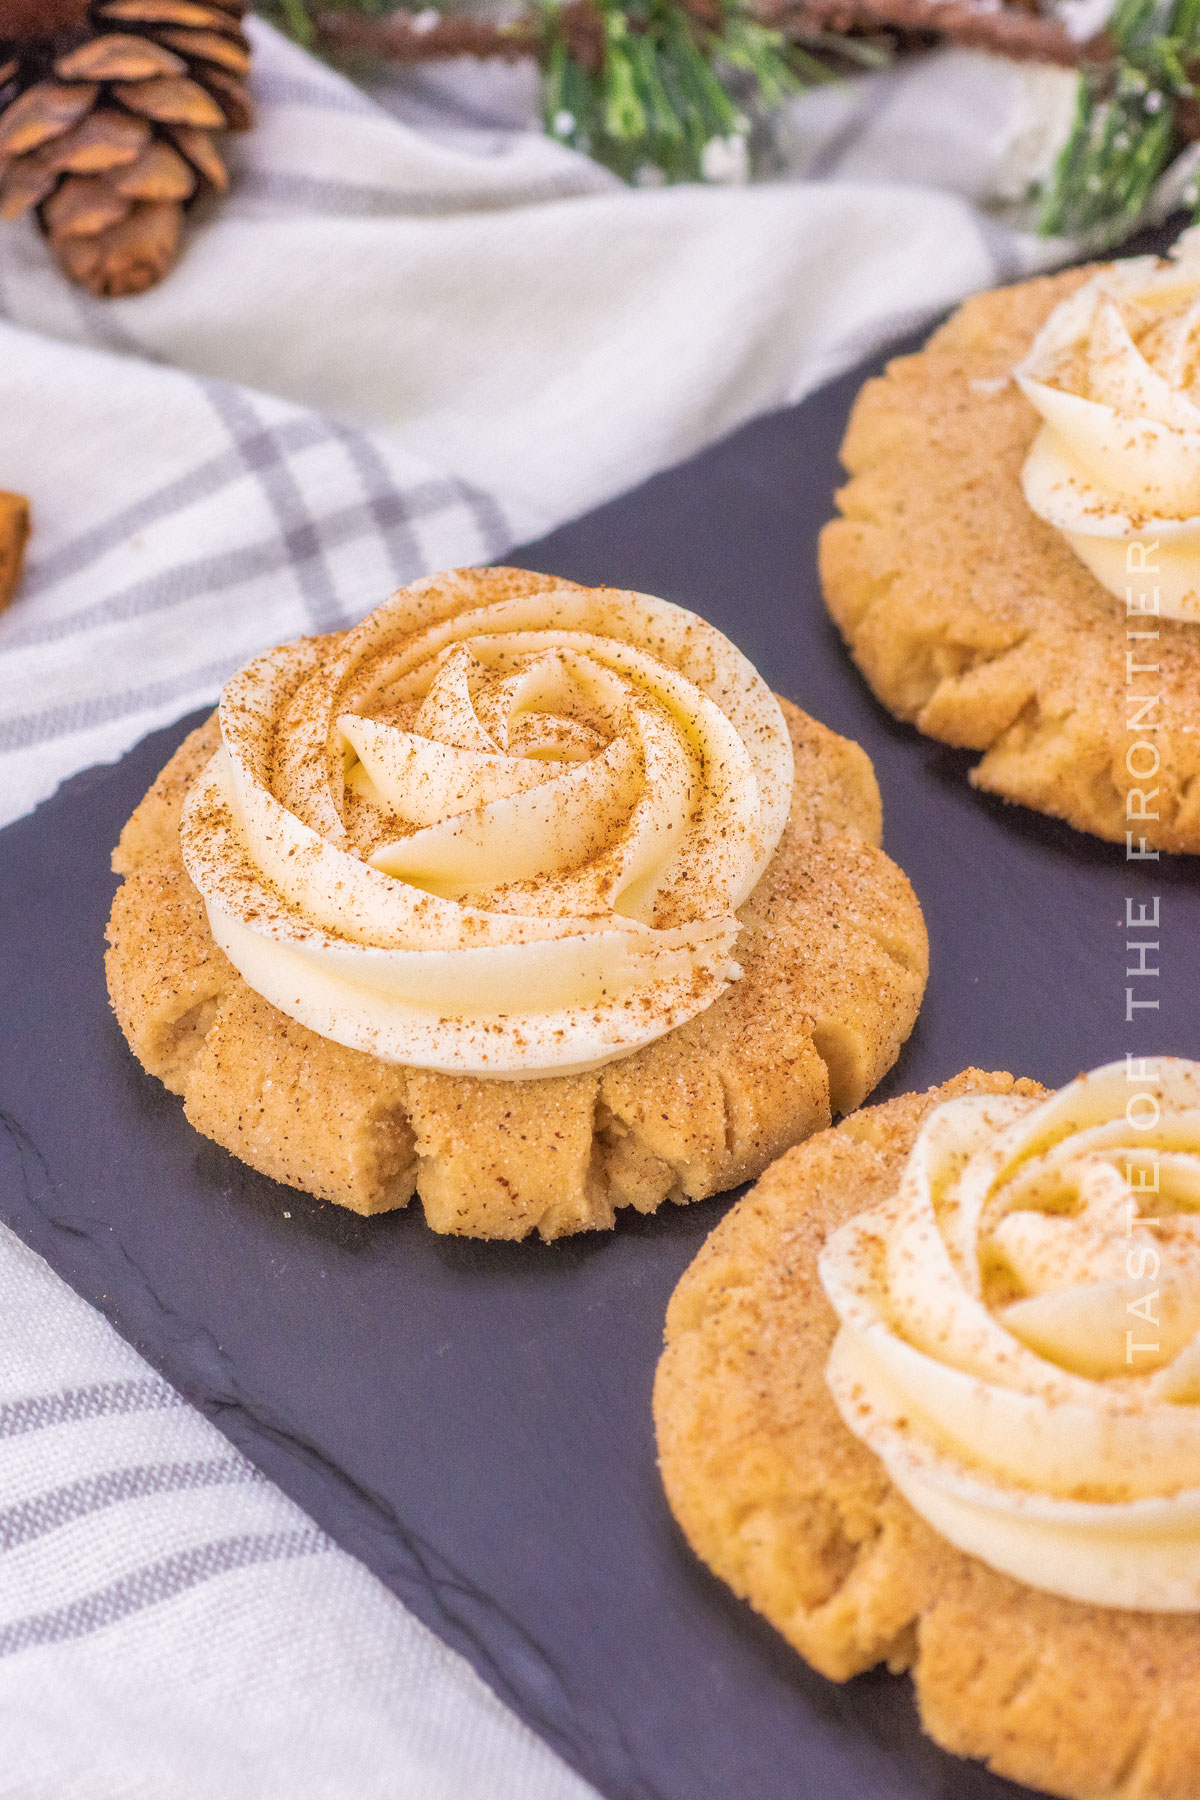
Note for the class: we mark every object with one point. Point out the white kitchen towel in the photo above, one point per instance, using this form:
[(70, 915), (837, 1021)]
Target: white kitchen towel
[(394, 349), (417, 334)]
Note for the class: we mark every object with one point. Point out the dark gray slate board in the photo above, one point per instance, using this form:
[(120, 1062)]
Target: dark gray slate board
[(471, 1420)]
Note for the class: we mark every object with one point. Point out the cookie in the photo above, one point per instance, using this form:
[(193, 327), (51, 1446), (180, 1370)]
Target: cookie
[(834, 956), (14, 535), (973, 619), (799, 1517)]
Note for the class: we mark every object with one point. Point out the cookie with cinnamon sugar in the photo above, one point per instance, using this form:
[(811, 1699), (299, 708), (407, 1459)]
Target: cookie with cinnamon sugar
[(974, 620), (834, 956), (800, 1518)]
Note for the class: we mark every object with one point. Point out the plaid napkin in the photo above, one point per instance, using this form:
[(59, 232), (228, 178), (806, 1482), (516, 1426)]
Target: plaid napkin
[(417, 334)]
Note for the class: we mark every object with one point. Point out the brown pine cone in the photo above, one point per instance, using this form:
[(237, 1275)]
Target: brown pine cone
[(110, 114)]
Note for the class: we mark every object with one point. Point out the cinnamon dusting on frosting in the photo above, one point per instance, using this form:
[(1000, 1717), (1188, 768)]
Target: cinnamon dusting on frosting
[(1115, 375), (492, 832), (1020, 1336)]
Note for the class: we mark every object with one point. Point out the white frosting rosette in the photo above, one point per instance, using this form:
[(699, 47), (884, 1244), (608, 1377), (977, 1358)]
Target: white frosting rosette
[(1115, 374), (495, 829), (1020, 1334)]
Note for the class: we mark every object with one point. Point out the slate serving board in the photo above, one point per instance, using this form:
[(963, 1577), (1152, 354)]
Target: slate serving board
[(473, 1420)]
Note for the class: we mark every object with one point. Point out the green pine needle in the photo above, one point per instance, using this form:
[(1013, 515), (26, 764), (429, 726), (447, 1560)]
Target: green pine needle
[(1125, 134), (665, 92), (668, 95)]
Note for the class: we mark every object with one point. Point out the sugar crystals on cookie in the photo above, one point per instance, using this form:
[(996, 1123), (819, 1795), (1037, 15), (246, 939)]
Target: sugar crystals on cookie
[(931, 1396), (526, 897), (1016, 567)]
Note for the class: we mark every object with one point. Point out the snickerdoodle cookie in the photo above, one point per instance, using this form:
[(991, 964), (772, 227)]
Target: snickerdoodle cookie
[(456, 903), (1017, 565), (976, 1478)]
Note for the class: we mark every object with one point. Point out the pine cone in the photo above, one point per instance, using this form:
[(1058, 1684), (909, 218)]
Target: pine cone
[(110, 111)]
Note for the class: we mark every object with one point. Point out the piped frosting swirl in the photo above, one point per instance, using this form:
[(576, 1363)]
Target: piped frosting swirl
[(1115, 375), (501, 827), (1020, 1334)]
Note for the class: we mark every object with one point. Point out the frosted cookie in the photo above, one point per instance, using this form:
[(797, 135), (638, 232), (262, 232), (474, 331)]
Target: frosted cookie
[(1017, 567), (931, 1397), (528, 898)]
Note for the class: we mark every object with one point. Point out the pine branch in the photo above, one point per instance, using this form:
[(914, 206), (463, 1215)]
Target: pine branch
[(427, 37), (656, 87), (1005, 30), (1132, 119)]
